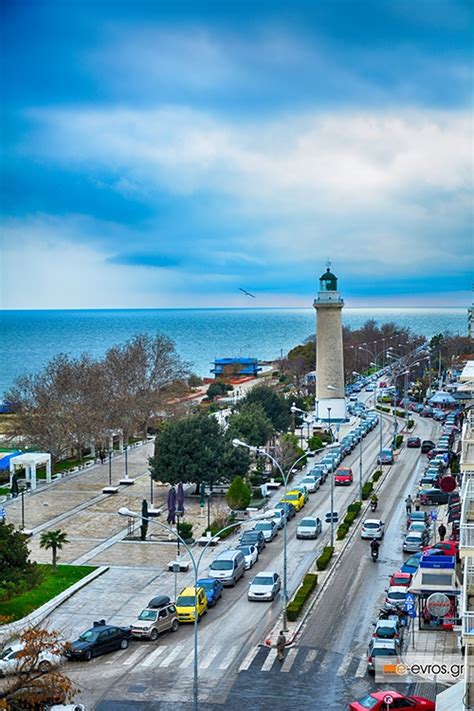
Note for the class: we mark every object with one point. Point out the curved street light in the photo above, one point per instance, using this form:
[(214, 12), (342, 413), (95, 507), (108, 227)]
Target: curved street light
[(124, 511)]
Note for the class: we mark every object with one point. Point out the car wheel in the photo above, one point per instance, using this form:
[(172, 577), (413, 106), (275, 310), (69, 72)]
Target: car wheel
[(88, 655), (174, 626), (123, 643), (44, 666), (154, 635)]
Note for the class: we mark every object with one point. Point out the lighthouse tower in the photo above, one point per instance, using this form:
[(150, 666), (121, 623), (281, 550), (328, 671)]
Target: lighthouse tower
[(330, 396)]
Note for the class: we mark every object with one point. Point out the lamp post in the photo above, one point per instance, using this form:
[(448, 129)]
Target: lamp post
[(307, 420), (125, 451), (332, 482), (285, 477), (196, 563), (110, 467)]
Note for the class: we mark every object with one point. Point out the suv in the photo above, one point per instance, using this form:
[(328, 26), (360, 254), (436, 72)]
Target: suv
[(159, 616), (253, 538)]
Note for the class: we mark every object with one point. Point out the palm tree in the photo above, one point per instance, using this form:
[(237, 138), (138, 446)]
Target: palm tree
[(53, 540)]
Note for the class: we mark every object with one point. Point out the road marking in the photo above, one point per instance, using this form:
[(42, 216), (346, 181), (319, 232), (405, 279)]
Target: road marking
[(290, 659), (344, 666), (205, 664), (133, 657), (361, 669), (172, 655), (228, 657), (249, 659), (116, 656), (269, 660), (187, 660), (310, 657), (148, 661)]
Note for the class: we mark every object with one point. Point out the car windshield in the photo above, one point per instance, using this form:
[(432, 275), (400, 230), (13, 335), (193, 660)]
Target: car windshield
[(386, 452), (397, 595), (89, 636), (385, 630), (262, 580), (186, 601), (206, 584), (263, 526), (413, 539), (148, 615), (371, 524), (307, 522), (382, 652), (246, 550), (307, 480), (222, 565), (250, 535), (293, 497)]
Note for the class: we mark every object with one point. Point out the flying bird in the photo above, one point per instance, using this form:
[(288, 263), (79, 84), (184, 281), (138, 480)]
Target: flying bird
[(247, 292)]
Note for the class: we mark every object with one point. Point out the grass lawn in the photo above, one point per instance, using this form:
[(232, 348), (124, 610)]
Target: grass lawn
[(4, 490), (51, 585)]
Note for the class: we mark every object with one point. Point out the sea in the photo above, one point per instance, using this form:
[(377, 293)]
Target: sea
[(29, 339)]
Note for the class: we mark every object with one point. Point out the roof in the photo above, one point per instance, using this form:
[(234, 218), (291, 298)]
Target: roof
[(238, 361), (327, 276)]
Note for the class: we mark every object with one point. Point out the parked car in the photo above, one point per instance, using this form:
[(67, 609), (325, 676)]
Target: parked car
[(411, 564), (253, 538), (446, 547), (383, 648), (414, 541), (420, 527), (375, 702), (288, 508), (279, 517), (343, 476), (385, 457), (311, 483), (320, 470), (229, 566), (268, 528), (303, 490), (250, 554), (418, 516), (430, 497), (159, 616), (213, 589), (309, 527), (264, 586), (294, 497), (372, 528), (388, 629), (99, 639), (413, 442), (427, 445), (189, 602), (12, 661), (400, 578), (395, 597)]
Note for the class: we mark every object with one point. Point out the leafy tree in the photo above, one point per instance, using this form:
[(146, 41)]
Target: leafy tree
[(251, 424), (276, 408), (195, 449), (217, 389), (17, 572), (288, 451), (37, 683), (54, 541), (239, 494), (144, 520)]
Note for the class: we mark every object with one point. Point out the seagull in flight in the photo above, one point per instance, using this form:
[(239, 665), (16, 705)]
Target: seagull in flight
[(247, 293)]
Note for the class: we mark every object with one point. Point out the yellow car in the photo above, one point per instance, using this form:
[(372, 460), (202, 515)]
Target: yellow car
[(294, 497), (190, 601)]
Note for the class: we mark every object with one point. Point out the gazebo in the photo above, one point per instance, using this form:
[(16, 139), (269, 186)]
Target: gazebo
[(29, 461), (442, 398)]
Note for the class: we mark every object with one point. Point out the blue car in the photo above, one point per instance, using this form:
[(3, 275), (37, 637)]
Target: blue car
[(411, 564), (213, 589)]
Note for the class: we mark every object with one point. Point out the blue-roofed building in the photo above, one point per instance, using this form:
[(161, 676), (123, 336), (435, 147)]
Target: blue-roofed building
[(236, 367)]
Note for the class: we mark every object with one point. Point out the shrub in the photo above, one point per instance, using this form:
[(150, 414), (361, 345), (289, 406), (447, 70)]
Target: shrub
[(383, 409), (239, 494), (323, 560), (315, 443), (185, 530), (376, 475), (342, 531), (398, 441), (411, 424), (294, 607), (349, 518), (367, 490), (354, 507)]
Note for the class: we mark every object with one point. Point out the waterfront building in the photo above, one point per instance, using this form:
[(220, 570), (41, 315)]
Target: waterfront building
[(236, 367)]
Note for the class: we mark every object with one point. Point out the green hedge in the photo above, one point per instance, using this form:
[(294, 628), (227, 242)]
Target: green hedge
[(410, 424), (349, 518), (382, 409), (342, 531), (398, 441), (215, 527), (294, 607), (376, 475), (354, 507), (323, 560), (367, 490)]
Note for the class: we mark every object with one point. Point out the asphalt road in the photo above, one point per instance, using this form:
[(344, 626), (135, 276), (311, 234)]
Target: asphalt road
[(233, 667)]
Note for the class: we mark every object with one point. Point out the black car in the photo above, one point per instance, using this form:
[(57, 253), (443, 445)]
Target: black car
[(433, 496), (414, 442), (427, 445), (253, 538), (99, 639)]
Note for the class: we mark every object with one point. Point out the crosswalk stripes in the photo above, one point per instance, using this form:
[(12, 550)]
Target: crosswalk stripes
[(187, 660), (290, 659), (249, 659), (310, 657), (175, 652), (148, 661), (209, 658), (225, 663), (130, 660), (117, 655), (268, 663), (344, 666), (361, 669)]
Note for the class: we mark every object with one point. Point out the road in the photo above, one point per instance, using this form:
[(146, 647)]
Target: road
[(231, 658)]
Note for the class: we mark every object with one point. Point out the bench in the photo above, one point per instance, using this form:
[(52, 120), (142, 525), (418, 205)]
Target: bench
[(110, 490)]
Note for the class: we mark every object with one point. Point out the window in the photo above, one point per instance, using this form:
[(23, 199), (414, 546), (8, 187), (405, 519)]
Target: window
[(162, 615)]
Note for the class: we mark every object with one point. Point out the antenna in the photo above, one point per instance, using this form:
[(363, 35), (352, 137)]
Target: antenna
[(328, 263)]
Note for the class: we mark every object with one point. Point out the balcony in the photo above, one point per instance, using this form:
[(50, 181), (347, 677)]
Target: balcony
[(468, 603), (466, 544)]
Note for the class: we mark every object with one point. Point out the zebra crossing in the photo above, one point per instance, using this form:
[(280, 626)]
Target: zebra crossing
[(298, 660)]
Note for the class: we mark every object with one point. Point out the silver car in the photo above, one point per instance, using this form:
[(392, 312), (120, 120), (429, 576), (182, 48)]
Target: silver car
[(264, 586), (414, 542), (309, 527), (268, 528)]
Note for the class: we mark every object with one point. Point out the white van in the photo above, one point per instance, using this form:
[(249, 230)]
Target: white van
[(228, 567)]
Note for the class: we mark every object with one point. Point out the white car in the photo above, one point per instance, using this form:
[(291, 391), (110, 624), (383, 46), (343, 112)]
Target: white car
[(67, 707), (311, 483), (268, 528), (309, 527), (264, 586), (372, 528), (250, 554), (11, 660), (278, 516)]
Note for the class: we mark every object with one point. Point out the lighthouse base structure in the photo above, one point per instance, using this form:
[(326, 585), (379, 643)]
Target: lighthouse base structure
[(331, 410)]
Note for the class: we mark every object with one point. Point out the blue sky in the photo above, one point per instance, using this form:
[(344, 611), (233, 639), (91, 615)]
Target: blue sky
[(168, 153)]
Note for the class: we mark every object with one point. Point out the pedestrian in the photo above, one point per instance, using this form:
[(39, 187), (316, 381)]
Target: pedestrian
[(408, 504), (442, 531), (280, 646), (417, 503)]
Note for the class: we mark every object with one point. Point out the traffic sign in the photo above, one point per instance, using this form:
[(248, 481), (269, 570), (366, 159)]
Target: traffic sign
[(434, 515), (388, 699), (334, 517), (3, 514), (409, 605)]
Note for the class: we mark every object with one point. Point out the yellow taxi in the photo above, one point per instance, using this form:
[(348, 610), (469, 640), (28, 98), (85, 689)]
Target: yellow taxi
[(294, 497), (190, 601)]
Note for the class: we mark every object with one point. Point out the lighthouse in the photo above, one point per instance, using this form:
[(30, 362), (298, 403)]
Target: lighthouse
[(330, 395)]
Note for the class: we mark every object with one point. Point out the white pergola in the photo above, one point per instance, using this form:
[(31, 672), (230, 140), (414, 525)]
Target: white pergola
[(29, 462)]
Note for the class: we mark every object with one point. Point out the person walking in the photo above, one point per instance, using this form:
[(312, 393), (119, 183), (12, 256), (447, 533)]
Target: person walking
[(442, 531), (417, 503), (280, 646), (408, 504)]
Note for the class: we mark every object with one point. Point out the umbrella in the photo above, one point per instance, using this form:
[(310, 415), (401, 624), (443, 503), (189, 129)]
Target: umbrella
[(171, 505), (14, 485), (180, 499), (202, 492), (441, 398)]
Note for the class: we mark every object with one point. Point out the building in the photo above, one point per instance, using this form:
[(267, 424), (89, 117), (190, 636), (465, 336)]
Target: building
[(330, 392), (236, 367)]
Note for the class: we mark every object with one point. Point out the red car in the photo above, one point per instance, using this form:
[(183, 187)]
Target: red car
[(447, 548), (343, 476), (400, 578), (375, 702)]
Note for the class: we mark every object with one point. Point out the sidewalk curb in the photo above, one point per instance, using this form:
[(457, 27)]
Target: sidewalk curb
[(37, 616)]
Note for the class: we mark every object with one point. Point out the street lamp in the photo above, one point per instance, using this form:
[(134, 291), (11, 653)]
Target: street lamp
[(285, 477), (332, 481), (124, 511), (110, 467), (307, 420)]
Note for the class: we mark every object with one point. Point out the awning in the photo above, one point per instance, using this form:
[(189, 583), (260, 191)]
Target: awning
[(451, 699)]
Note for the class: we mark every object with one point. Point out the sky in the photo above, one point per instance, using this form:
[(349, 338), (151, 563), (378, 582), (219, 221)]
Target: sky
[(168, 154)]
